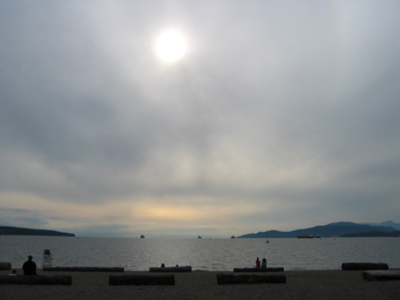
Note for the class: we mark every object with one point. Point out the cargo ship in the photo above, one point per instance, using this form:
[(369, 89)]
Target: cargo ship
[(310, 236)]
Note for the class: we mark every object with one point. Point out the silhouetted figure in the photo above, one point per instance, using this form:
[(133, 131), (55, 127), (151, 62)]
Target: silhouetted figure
[(264, 263), (29, 267), (162, 266), (257, 263)]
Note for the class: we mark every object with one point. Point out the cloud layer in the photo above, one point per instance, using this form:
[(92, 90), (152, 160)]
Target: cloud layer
[(281, 115)]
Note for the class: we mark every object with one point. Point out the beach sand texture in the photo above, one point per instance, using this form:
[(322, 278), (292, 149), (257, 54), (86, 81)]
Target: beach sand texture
[(335, 284)]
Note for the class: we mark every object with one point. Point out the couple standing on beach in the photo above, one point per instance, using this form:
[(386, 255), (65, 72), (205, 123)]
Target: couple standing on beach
[(263, 265)]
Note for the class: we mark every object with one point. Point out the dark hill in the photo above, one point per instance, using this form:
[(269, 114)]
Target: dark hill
[(8, 230), (386, 223), (333, 229), (373, 234)]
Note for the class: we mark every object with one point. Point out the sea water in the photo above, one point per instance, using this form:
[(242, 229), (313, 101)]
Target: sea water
[(135, 254)]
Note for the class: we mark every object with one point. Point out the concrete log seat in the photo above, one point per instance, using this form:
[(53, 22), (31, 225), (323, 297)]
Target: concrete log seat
[(250, 279), (172, 269), (37, 280), (277, 269), (5, 265), (84, 269), (134, 279), (364, 266), (381, 275)]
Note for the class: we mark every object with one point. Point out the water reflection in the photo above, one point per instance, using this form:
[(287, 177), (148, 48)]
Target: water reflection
[(201, 254)]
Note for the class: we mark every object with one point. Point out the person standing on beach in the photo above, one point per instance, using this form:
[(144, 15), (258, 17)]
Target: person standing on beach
[(264, 263), (29, 267), (257, 263)]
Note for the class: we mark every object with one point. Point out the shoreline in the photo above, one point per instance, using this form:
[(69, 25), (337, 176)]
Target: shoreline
[(317, 284)]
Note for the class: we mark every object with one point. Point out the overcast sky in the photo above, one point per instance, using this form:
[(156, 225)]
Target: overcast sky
[(280, 115)]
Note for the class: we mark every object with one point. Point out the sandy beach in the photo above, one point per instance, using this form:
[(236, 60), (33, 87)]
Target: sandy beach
[(334, 284)]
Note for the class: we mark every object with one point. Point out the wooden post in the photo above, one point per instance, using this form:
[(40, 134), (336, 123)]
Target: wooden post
[(249, 279), (165, 279), (37, 280), (364, 266)]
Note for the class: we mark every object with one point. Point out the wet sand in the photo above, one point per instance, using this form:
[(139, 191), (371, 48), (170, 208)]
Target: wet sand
[(334, 284)]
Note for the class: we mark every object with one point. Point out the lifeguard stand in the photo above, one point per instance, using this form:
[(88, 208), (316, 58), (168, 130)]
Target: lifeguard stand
[(47, 259)]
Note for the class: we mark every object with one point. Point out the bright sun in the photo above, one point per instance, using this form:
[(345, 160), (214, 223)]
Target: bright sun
[(170, 46)]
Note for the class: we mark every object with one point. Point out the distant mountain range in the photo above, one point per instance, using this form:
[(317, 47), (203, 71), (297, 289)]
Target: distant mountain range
[(8, 230), (373, 234), (387, 223), (342, 229)]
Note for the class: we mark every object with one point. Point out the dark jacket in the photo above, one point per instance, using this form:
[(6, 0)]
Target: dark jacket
[(29, 268)]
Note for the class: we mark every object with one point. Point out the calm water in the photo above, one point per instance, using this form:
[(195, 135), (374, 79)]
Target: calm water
[(201, 254)]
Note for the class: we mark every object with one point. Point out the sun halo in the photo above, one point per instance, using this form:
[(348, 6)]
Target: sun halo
[(170, 46)]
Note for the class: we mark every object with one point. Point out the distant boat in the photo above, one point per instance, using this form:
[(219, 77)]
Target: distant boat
[(142, 236), (310, 236), (199, 237), (232, 237)]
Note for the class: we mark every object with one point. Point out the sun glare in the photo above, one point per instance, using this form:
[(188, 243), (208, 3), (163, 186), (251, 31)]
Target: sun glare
[(170, 46)]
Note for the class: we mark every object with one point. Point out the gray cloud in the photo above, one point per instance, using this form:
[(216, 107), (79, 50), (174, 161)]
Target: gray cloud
[(279, 103), (25, 217)]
